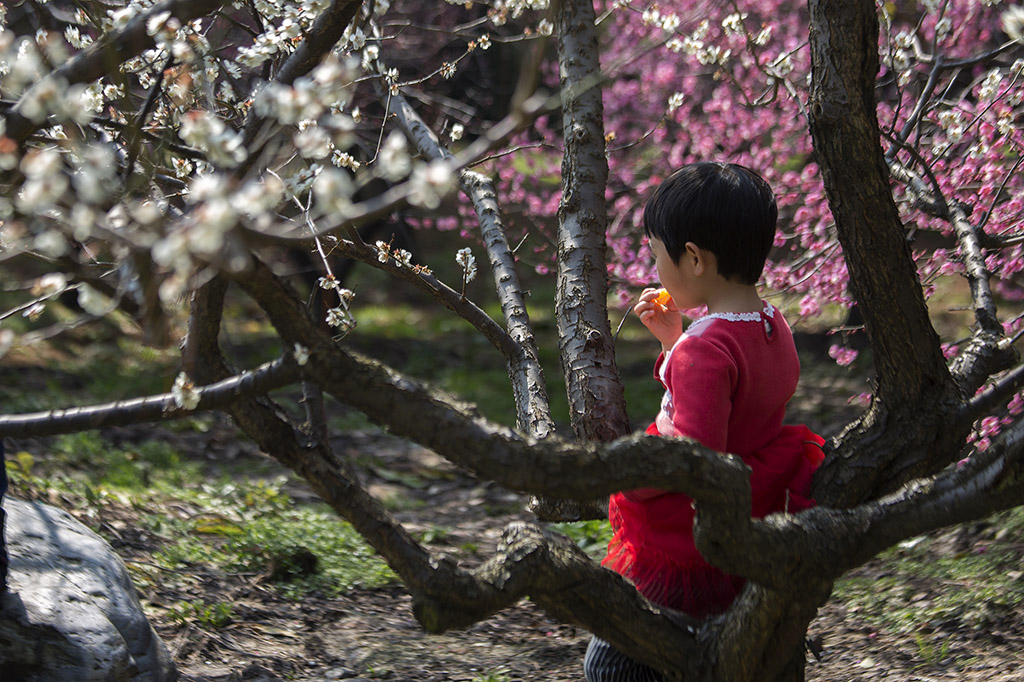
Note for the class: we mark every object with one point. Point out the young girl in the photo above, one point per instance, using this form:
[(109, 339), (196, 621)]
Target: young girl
[(727, 379)]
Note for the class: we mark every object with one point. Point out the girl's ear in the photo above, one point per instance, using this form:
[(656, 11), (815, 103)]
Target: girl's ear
[(699, 258)]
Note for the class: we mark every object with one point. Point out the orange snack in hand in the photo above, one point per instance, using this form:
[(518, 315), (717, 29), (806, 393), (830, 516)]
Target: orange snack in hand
[(662, 298)]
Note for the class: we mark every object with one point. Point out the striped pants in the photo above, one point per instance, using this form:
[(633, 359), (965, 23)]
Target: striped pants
[(604, 663)]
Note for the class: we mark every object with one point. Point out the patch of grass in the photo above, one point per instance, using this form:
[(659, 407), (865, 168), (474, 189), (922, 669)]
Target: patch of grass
[(86, 465), (496, 675), (142, 467), (923, 585), (209, 616), (591, 536), (257, 529)]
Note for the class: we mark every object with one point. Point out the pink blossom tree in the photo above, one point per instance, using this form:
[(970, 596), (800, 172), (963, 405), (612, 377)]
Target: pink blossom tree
[(178, 140)]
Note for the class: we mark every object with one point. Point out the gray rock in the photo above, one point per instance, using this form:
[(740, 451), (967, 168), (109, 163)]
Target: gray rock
[(71, 613)]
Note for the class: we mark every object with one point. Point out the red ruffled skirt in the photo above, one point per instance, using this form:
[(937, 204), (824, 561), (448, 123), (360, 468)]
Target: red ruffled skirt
[(653, 543)]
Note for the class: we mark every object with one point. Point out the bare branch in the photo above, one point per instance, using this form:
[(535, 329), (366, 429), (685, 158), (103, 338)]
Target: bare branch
[(992, 397), (425, 281), (267, 377)]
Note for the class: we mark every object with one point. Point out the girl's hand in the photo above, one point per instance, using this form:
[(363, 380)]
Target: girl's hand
[(658, 312)]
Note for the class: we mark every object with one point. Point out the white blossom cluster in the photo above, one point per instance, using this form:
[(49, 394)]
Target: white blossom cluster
[(733, 24), (502, 10), (668, 22), (291, 21), (340, 316), (694, 45), (314, 105), (1012, 21), (206, 131), (24, 72)]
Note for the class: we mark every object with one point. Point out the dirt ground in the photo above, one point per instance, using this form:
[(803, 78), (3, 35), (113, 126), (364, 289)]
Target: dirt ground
[(371, 634)]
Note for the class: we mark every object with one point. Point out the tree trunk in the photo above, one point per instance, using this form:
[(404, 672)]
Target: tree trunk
[(915, 388), (596, 399)]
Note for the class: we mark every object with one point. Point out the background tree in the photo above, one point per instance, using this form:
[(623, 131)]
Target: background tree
[(164, 152)]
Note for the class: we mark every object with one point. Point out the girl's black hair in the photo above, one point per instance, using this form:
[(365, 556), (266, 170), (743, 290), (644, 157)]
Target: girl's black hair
[(724, 208)]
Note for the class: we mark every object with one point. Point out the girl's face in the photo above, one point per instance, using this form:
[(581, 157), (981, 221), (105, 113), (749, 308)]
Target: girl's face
[(682, 280)]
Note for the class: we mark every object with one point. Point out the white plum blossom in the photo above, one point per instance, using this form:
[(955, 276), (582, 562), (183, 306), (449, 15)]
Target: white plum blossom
[(456, 132), (182, 167), (313, 142), (340, 318), (670, 22), (302, 180), (344, 160), (333, 190), (49, 284), (258, 196), (394, 157), (990, 86), (6, 341), (45, 182), (51, 243), (781, 67), (734, 23), (545, 27), (651, 15), (465, 258), (675, 101), (93, 302), (403, 258), (184, 392), (1012, 21), (205, 131), (301, 354), (430, 183), (370, 56)]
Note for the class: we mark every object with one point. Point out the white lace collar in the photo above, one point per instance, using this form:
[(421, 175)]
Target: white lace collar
[(768, 312)]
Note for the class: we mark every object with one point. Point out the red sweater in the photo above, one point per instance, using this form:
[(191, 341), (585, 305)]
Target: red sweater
[(727, 382)]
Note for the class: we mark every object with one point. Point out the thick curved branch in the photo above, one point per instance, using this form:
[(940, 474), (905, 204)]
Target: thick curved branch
[(106, 55), (558, 576), (916, 394), (456, 431), (786, 552), (267, 377), (546, 567)]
